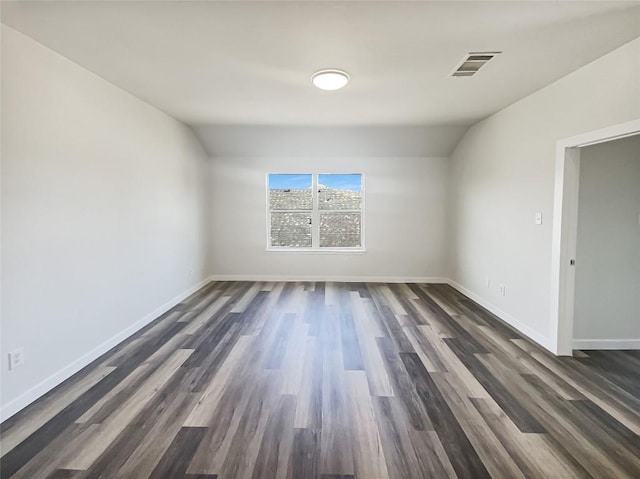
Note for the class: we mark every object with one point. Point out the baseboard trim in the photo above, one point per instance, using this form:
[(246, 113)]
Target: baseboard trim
[(606, 344), (536, 337), (16, 405), (336, 279)]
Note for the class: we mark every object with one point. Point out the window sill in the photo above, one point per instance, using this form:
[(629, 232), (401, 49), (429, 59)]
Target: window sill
[(317, 250)]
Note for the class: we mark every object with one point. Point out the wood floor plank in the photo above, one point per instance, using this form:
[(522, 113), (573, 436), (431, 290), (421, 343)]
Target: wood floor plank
[(264, 314), (115, 423), (390, 300), (518, 412), (336, 454), (461, 453), (245, 300), (157, 423), (431, 455), (305, 458), (279, 347), (161, 432), (295, 380), (403, 387), (351, 354), (201, 414), (58, 451), (213, 350), (530, 452), (314, 310), (224, 422), (425, 350), (277, 442), (451, 362), (293, 360), (490, 450), (309, 403), (561, 428), (399, 453), (241, 457), (111, 401), (366, 308), (368, 454), (175, 461), (202, 318), (379, 380), (64, 474), (47, 407), (15, 459), (602, 394), (454, 327)]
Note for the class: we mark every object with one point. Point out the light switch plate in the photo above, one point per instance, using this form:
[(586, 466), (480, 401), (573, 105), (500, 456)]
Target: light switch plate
[(538, 218)]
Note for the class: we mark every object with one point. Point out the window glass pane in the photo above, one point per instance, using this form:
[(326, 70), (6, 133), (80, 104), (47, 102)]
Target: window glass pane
[(340, 192), (291, 229), (290, 192), (340, 230)]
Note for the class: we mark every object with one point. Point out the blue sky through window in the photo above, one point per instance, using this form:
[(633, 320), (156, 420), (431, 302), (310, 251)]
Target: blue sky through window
[(283, 182), (351, 182)]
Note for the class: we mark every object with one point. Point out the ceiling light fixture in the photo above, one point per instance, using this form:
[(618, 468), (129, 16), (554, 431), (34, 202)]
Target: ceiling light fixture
[(330, 79)]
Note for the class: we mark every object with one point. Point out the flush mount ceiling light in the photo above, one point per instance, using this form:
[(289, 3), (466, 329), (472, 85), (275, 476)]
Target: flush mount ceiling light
[(330, 79)]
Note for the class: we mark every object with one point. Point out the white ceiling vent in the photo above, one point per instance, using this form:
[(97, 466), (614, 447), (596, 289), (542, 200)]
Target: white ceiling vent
[(473, 62)]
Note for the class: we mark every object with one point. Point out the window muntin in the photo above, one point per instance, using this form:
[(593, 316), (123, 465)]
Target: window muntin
[(315, 211)]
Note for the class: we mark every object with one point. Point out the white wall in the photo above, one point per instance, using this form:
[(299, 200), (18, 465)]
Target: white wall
[(405, 219), (607, 294), (104, 215), (503, 173), (389, 141)]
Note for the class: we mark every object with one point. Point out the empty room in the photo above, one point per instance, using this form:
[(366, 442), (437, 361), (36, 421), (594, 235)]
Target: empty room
[(320, 239)]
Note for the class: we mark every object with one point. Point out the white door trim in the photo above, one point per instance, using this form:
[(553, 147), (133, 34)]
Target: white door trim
[(565, 220)]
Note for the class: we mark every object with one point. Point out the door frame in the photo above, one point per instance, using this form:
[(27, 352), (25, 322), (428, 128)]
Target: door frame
[(565, 228)]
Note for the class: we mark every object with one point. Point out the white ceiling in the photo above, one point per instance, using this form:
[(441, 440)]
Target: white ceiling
[(249, 63)]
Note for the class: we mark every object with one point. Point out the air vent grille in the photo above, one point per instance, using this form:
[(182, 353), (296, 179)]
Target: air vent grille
[(472, 63), (463, 74)]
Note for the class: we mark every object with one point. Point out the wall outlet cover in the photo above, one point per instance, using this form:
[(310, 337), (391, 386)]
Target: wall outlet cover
[(16, 358)]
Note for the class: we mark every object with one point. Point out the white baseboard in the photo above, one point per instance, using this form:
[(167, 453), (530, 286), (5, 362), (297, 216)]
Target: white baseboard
[(606, 344), (543, 341), (336, 279), (26, 398)]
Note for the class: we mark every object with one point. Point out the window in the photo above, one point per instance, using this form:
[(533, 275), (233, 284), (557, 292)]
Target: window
[(315, 211)]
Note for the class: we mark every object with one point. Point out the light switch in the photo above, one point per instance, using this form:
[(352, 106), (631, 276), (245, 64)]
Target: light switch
[(538, 218)]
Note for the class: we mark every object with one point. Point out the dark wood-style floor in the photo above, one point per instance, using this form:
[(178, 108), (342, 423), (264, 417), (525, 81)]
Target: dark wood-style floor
[(332, 380)]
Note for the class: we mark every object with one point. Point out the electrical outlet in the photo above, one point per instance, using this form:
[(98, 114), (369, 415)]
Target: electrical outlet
[(16, 358), (538, 218), (503, 290)]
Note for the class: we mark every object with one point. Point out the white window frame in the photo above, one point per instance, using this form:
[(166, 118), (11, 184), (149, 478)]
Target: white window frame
[(315, 218)]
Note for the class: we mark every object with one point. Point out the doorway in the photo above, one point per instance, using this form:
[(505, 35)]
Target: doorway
[(565, 229)]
